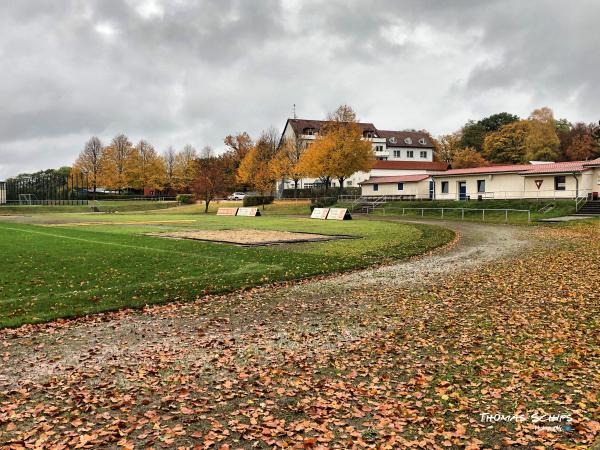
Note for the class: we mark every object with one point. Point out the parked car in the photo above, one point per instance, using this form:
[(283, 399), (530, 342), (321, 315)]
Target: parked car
[(237, 196)]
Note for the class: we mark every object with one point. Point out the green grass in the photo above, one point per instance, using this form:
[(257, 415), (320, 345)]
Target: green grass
[(66, 271), (556, 208), (122, 206)]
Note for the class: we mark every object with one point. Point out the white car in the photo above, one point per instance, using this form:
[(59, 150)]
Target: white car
[(237, 196)]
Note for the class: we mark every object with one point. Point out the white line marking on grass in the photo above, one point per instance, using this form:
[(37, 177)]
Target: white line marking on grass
[(104, 289), (112, 243)]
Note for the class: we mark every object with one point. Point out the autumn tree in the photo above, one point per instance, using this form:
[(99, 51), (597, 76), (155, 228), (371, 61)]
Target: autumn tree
[(473, 135), (507, 145), (583, 144), (285, 164), (147, 167), (169, 167), (117, 163), (466, 158), (237, 147), (339, 149), (185, 168), (255, 169), (542, 142), (448, 145), (89, 162), (210, 178)]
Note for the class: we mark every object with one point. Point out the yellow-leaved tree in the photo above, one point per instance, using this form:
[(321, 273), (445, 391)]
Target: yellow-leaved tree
[(339, 149), (285, 164), (255, 170), (148, 169), (117, 164), (184, 170), (89, 162)]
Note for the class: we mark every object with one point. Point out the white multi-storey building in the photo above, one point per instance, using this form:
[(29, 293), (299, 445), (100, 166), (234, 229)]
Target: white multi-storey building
[(397, 152)]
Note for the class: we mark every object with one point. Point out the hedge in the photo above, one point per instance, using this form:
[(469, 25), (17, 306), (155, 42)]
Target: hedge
[(320, 192), (185, 198), (256, 200)]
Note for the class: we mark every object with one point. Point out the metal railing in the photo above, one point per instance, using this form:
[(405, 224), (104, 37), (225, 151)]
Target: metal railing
[(462, 210), (516, 195)]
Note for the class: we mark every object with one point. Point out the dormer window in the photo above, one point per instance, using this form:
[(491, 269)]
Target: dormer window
[(422, 141), (392, 140), (408, 141), (369, 134), (309, 131)]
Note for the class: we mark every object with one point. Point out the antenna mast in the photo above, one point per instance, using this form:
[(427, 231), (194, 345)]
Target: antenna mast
[(294, 111)]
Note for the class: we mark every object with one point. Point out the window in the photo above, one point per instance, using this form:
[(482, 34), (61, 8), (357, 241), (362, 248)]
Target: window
[(379, 148), (480, 185), (309, 131), (382, 158), (400, 186), (369, 134), (560, 183), (445, 187), (423, 154), (408, 141), (392, 140), (397, 154), (375, 187), (422, 141), (410, 154)]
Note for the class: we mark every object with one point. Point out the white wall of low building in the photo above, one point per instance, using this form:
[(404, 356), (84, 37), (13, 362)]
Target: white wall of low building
[(419, 189), (509, 186)]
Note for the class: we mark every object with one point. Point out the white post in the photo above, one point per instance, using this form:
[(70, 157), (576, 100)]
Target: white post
[(483, 214)]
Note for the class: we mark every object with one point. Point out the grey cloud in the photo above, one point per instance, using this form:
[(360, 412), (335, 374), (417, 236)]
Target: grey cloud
[(197, 70)]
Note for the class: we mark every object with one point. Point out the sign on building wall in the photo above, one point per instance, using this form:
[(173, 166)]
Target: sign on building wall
[(538, 183)]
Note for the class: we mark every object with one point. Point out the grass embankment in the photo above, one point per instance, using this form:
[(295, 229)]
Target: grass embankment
[(103, 205), (72, 270), (540, 209), (278, 207)]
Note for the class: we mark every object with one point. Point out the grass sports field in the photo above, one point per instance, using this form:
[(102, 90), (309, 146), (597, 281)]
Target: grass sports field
[(66, 265)]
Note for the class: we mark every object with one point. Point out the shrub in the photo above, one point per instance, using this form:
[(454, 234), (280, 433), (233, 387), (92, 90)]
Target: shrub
[(185, 198), (321, 192), (256, 200), (323, 202)]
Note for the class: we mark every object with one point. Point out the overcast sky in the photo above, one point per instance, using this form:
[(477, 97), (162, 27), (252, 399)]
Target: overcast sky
[(177, 72)]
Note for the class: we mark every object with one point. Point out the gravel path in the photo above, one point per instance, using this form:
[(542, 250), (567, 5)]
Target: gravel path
[(126, 337)]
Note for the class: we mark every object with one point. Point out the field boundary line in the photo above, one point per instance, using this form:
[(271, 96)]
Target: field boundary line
[(116, 244)]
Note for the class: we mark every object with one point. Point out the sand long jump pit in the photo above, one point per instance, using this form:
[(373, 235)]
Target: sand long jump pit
[(250, 238)]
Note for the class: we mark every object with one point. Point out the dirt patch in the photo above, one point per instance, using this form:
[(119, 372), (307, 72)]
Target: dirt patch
[(249, 237)]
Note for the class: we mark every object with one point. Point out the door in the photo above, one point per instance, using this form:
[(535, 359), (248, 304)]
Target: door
[(462, 190), (431, 190)]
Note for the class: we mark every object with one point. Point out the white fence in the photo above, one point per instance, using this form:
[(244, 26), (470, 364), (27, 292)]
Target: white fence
[(505, 211)]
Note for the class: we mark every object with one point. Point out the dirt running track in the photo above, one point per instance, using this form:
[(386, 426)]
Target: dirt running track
[(152, 371), (101, 342)]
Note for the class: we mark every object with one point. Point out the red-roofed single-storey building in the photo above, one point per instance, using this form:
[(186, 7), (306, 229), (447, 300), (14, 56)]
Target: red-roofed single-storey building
[(519, 181)]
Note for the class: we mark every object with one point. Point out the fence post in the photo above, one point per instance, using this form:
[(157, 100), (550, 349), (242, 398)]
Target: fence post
[(402, 211), (442, 213), (506, 216), (483, 215), (422, 212), (528, 216)]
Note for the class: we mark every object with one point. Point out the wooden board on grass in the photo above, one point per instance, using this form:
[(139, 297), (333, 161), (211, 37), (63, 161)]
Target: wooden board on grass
[(339, 214), (227, 211), (248, 212), (319, 213)]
